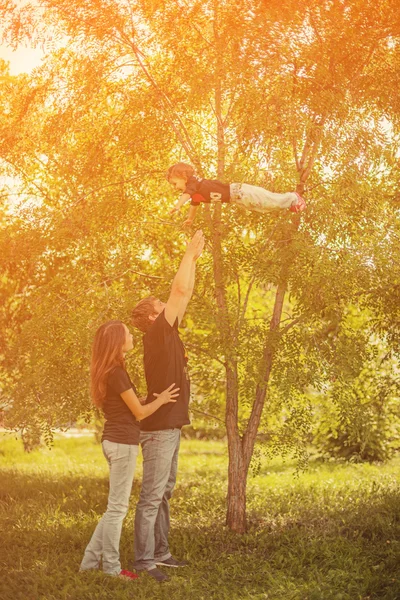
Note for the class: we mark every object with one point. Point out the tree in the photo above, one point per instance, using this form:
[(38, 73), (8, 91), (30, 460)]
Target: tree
[(274, 94)]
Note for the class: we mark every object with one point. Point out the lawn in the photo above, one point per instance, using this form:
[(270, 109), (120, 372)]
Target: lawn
[(333, 533)]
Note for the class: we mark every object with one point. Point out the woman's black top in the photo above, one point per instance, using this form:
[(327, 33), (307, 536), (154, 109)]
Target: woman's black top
[(120, 426)]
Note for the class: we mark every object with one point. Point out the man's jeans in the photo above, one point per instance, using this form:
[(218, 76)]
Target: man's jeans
[(160, 463), (121, 459)]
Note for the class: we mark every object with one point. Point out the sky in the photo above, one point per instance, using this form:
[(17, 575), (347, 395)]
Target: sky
[(22, 60), (25, 58)]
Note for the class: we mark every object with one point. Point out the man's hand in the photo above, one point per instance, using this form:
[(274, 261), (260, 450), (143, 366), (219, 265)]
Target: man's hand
[(196, 245)]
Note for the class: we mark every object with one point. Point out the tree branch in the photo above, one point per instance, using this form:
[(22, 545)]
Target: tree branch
[(185, 139), (195, 410), (109, 280), (197, 349)]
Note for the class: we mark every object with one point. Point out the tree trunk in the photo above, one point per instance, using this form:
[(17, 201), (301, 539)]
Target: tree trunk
[(237, 472), (237, 482), (249, 437)]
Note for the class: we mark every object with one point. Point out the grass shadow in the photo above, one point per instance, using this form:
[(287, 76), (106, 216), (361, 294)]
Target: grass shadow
[(315, 543)]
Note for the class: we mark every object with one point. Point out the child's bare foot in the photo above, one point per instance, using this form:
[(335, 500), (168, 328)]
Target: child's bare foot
[(300, 204)]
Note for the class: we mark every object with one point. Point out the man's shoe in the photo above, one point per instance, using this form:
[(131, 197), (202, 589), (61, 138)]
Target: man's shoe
[(300, 204), (172, 562), (157, 575), (125, 574)]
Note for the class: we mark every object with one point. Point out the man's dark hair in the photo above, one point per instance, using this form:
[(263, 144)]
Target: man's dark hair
[(141, 313)]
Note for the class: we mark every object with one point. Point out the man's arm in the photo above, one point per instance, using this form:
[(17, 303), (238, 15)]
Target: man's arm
[(185, 299), (183, 283)]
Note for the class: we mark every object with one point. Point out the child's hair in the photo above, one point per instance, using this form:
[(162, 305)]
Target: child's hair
[(180, 169), (141, 313), (106, 354)]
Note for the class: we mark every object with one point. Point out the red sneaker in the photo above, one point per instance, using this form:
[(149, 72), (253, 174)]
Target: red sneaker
[(301, 204), (128, 574)]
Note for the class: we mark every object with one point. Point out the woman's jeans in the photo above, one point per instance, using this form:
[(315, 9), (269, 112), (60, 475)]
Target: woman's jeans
[(104, 544)]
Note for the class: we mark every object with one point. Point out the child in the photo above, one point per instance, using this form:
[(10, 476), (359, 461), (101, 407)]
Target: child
[(113, 392), (181, 176)]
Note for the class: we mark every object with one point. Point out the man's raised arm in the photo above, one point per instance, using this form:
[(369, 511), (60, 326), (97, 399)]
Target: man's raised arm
[(183, 283)]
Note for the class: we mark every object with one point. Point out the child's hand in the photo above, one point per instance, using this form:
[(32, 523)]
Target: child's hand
[(187, 223), (174, 210)]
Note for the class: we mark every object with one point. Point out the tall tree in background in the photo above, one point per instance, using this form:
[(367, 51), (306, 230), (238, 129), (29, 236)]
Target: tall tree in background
[(270, 93)]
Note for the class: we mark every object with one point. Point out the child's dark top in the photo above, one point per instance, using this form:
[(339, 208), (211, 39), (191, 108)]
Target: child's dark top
[(120, 426), (211, 190)]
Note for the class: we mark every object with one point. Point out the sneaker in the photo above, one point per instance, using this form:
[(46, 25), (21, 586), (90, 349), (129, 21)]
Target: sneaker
[(172, 562), (125, 574), (299, 206), (157, 575)]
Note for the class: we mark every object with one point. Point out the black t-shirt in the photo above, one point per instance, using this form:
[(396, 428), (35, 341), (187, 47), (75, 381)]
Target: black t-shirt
[(165, 363), (212, 190), (120, 426)]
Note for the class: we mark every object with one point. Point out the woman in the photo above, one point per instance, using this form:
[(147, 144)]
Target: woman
[(113, 392)]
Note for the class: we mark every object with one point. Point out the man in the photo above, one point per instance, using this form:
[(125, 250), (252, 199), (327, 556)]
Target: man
[(165, 363)]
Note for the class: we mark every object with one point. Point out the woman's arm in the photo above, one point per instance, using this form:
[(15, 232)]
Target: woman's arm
[(142, 411)]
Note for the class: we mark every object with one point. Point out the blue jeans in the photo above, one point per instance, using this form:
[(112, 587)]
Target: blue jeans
[(160, 463), (104, 543)]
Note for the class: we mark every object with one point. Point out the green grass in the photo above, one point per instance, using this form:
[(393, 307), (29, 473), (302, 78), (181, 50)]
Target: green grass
[(330, 534)]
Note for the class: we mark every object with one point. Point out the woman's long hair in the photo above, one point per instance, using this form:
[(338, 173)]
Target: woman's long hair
[(106, 354)]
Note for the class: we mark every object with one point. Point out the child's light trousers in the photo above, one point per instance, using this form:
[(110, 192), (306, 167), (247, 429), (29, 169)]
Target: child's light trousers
[(258, 199)]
